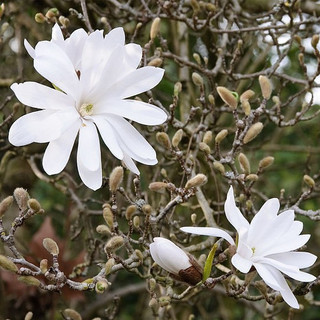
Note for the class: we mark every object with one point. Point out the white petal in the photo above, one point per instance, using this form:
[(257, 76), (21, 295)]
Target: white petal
[(115, 37), (36, 95), (89, 147), (135, 82), (289, 298), (169, 256), (296, 258), (56, 34), (92, 179), (128, 162), (108, 136), (133, 55), (138, 111), (41, 126), (131, 141), (29, 48), (208, 231), (233, 214), (54, 64), (58, 151), (242, 264)]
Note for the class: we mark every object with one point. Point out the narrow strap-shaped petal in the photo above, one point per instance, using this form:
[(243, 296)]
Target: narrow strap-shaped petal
[(128, 162), (91, 178), (29, 48)]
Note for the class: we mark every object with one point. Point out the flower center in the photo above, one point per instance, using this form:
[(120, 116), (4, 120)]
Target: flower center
[(86, 109), (253, 250)]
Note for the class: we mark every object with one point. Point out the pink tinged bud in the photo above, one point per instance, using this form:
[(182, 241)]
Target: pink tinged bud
[(174, 260)]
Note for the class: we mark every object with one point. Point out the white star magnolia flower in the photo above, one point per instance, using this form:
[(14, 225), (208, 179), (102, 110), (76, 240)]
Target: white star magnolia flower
[(267, 244), (94, 75)]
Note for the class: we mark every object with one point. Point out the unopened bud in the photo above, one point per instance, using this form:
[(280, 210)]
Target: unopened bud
[(139, 254), (163, 139), (211, 99), (207, 138), (197, 181), (246, 107), (211, 7), (196, 57), (153, 304), (115, 179), (155, 28), (72, 314), (156, 62), (244, 163), (249, 204), (130, 211), (204, 147), (108, 266), (197, 79), (28, 316), (266, 162), (252, 177), (29, 280), (114, 244), (301, 58), (5, 204), (247, 95), (308, 181), (193, 218), (136, 222), (101, 286), (44, 266), (227, 96), (152, 284), (103, 229), (221, 135), (51, 246), (177, 138), (158, 186), (297, 39), (107, 215), (177, 88), (39, 18), (253, 131), (219, 166), (146, 209), (164, 301), (265, 85), (2, 7), (34, 205), (7, 264), (21, 195), (315, 40)]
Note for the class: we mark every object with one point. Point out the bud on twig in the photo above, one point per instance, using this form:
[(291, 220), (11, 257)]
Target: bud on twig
[(193, 218), (130, 211), (219, 166), (244, 163), (247, 95), (246, 107), (103, 229), (177, 138), (204, 147), (28, 316), (197, 79), (252, 177), (158, 186), (35, 206), (177, 88), (197, 181), (107, 215), (72, 314), (265, 85), (309, 181), (156, 62), (108, 266), (227, 96), (44, 266), (115, 179), (196, 57), (314, 41), (266, 162), (211, 99), (5, 204), (221, 135), (51, 246), (207, 138), (253, 131), (114, 244), (136, 222), (146, 209), (101, 286), (155, 28), (163, 139), (21, 195), (7, 264), (29, 280)]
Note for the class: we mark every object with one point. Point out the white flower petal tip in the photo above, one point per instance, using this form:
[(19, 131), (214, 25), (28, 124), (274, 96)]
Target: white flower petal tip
[(174, 260), (267, 244), (90, 101)]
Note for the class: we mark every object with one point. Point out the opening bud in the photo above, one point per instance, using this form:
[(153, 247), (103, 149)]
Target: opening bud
[(101, 286), (265, 85), (7, 264), (5, 205), (163, 139), (253, 131), (164, 301), (72, 314), (114, 244), (116, 178), (177, 138), (197, 181), (266, 162), (244, 163), (197, 79), (227, 96), (51, 246), (155, 28), (221, 135)]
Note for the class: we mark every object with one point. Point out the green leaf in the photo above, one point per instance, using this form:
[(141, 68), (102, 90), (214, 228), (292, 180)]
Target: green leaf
[(208, 264)]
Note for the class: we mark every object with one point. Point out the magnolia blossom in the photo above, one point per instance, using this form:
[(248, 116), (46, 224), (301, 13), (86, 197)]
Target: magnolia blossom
[(93, 75), (267, 244), (173, 259)]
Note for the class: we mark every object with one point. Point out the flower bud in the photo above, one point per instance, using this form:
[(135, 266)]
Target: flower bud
[(115, 179), (108, 215), (152, 284), (30, 280), (136, 222), (101, 286), (108, 266), (163, 139), (34, 205), (103, 229), (155, 28), (309, 181), (44, 266), (177, 88), (2, 8), (153, 304), (246, 107), (28, 316), (252, 177), (221, 135), (156, 62), (265, 85), (130, 211), (193, 218), (195, 6), (139, 254), (315, 40), (207, 138), (177, 138), (158, 186), (39, 18), (204, 147), (196, 57), (7, 264), (197, 79), (197, 181), (253, 131), (244, 163), (146, 209), (211, 99), (247, 95), (228, 98), (72, 314), (51, 246), (219, 166), (266, 162), (5, 204), (114, 244), (21, 195)]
